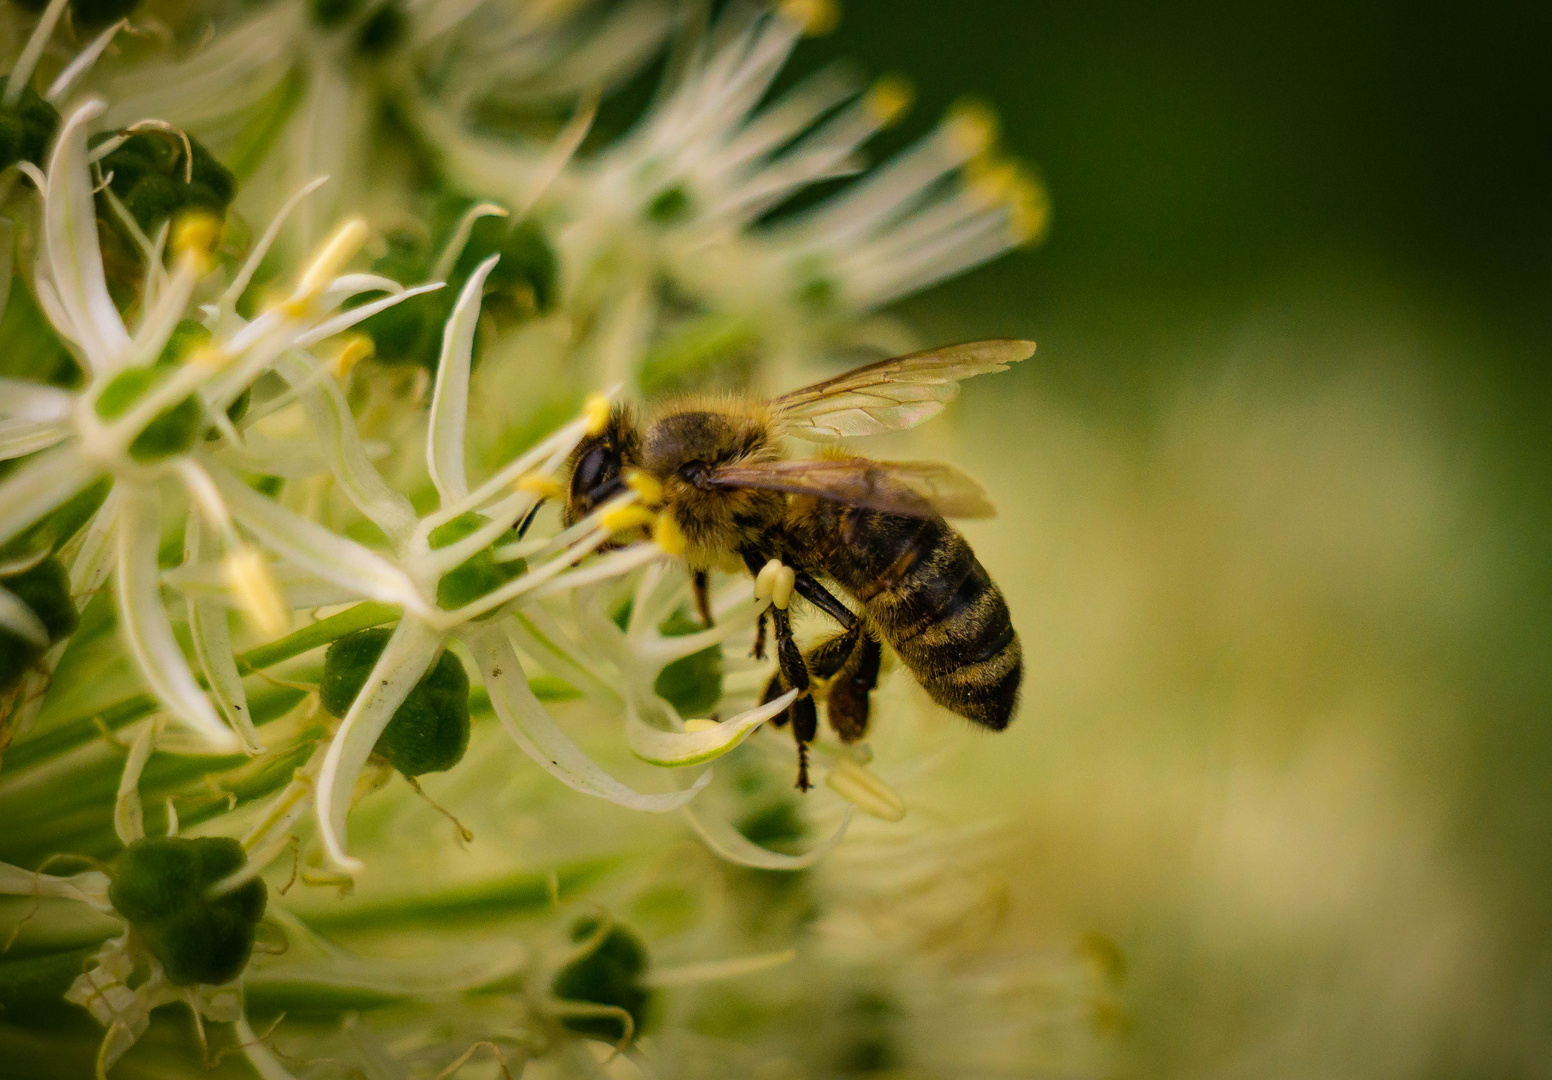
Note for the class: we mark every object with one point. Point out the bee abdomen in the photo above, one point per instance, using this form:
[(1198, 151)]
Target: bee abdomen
[(949, 623)]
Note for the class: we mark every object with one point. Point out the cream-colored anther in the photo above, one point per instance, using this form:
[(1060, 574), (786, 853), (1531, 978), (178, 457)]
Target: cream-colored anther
[(353, 349), (699, 724), (338, 250), (247, 576), (781, 590), (765, 580), (863, 789)]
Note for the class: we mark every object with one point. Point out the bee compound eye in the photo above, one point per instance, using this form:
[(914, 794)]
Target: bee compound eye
[(596, 467), (694, 472)]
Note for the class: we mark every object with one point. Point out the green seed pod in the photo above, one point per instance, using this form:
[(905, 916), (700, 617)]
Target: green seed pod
[(171, 432), (477, 575), (26, 129), (156, 182), (45, 588), (692, 684), (186, 337), (525, 276), (670, 205), (331, 13), (159, 884), (383, 30), (91, 14), (609, 975), (429, 732)]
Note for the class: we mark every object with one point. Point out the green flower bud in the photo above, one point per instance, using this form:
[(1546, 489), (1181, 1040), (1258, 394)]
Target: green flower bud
[(429, 732), (171, 432), (26, 129), (609, 975), (159, 884), (691, 684)]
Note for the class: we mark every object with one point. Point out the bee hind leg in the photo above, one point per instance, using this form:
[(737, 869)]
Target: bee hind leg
[(848, 702)]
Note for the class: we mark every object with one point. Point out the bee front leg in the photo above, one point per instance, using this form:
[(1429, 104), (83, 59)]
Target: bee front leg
[(702, 600)]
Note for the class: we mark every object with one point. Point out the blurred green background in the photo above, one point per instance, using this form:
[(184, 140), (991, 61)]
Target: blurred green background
[(1275, 516)]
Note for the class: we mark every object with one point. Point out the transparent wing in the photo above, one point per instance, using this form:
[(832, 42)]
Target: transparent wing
[(912, 488), (890, 394)]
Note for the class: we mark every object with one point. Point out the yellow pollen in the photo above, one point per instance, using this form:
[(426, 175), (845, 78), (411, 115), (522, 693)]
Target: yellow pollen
[(211, 356), (546, 487), (194, 236), (888, 99), (627, 517), (337, 250), (353, 349), (864, 790), (988, 182), (596, 409), (1030, 208), (699, 724), (668, 536), (815, 17), (645, 485), (248, 577), (971, 127)]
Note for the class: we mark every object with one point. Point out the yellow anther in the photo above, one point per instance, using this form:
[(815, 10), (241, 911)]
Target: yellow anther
[(645, 485), (353, 349), (971, 127), (211, 356), (194, 236), (1030, 206), (248, 577), (546, 487), (988, 181), (864, 790), (699, 724), (626, 518), (596, 409), (815, 17), (888, 99), (337, 250), (668, 536)]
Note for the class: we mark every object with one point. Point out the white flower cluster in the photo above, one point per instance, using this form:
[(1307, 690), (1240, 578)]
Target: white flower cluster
[(344, 430)]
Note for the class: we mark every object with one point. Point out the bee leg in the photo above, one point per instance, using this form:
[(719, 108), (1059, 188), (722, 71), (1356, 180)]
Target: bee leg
[(794, 674), (847, 703), (702, 601), (523, 526), (758, 652), (809, 589)]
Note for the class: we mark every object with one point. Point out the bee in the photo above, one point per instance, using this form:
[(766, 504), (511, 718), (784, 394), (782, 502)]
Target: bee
[(875, 530)]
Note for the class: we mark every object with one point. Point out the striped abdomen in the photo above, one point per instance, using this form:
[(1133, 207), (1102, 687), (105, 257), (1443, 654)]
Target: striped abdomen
[(933, 602)]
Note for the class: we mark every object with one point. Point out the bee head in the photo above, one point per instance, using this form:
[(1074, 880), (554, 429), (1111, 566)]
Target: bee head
[(598, 464), (684, 445)]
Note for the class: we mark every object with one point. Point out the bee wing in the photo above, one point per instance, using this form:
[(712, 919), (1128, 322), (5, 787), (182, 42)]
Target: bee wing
[(891, 394), (911, 488)]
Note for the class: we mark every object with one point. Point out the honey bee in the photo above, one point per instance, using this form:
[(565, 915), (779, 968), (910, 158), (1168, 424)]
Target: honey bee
[(874, 529)]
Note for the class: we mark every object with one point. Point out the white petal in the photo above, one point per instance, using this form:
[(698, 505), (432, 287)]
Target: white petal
[(674, 748), (537, 734), (406, 657), (330, 417), (40, 485), (89, 887), (450, 402), (146, 629), (82, 63), (18, 438), (723, 839), (212, 639), (128, 817), (314, 547), (75, 261), (351, 317), (22, 399), (239, 283)]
